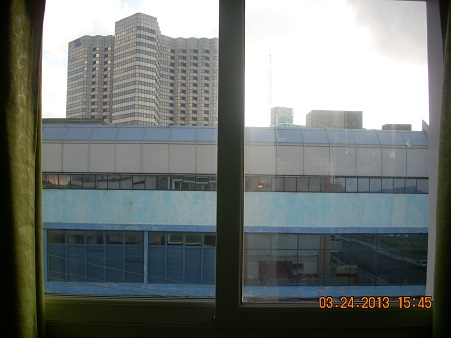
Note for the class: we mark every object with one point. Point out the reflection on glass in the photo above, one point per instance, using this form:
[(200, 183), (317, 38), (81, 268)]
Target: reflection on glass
[(334, 202), (332, 260)]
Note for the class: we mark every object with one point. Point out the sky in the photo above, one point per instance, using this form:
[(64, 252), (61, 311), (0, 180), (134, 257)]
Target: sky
[(364, 55)]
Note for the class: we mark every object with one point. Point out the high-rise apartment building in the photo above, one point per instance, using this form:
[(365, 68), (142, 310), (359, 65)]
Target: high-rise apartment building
[(158, 80), (90, 77)]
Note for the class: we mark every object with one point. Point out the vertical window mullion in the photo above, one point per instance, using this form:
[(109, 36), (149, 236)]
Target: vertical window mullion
[(230, 193), (146, 258)]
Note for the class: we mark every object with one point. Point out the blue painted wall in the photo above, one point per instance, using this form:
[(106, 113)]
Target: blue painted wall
[(264, 211)]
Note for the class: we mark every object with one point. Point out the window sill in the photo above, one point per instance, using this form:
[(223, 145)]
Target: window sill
[(96, 316)]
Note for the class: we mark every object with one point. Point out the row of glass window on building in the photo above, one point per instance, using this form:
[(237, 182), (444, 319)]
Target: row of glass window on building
[(100, 256), (252, 183)]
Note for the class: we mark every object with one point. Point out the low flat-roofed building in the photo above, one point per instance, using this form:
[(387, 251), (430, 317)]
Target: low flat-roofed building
[(333, 209)]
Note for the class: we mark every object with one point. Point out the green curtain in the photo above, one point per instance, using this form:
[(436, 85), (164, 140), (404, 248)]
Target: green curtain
[(22, 297), (442, 276)]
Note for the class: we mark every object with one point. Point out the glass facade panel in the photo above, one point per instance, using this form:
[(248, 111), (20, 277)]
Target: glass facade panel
[(113, 181), (351, 184), (387, 185), (76, 181), (126, 182), (315, 184), (89, 181), (102, 181), (289, 184), (363, 185), (139, 182), (399, 185), (321, 183), (375, 185), (422, 186), (63, 181), (151, 182), (302, 184), (411, 186)]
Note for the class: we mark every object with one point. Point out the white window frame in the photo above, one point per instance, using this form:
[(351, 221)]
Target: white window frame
[(98, 316)]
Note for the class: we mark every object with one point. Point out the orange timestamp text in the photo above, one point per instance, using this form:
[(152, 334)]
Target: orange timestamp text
[(374, 302)]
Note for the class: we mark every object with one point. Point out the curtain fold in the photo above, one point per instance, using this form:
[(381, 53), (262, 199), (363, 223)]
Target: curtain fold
[(442, 276), (20, 184)]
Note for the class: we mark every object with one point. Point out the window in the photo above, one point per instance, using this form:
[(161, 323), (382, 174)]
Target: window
[(229, 312), (327, 143)]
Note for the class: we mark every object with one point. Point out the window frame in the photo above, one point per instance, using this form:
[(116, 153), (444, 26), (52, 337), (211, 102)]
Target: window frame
[(68, 315)]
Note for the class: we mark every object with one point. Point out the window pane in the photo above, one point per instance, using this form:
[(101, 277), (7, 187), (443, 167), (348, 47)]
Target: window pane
[(56, 236), (375, 185), (126, 182), (193, 239), (302, 184), (411, 186), (157, 238), (340, 184), (89, 181), (363, 185), (399, 185), (162, 182), (423, 186), (76, 181), (314, 184), (94, 237), (63, 181), (113, 181), (209, 240), (114, 237), (351, 184), (341, 116), (175, 238), (76, 237), (289, 184), (138, 182), (387, 185), (133, 237), (132, 177), (102, 181), (51, 181)]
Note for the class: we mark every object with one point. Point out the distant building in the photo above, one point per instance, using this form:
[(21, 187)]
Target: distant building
[(397, 126), (281, 116), (90, 77), (140, 76), (334, 119)]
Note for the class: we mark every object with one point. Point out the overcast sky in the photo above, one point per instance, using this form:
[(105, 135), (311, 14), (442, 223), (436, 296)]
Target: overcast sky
[(365, 55)]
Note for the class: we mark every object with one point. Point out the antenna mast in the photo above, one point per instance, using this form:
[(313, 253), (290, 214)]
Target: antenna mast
[(269, 81)]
